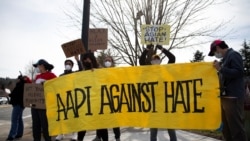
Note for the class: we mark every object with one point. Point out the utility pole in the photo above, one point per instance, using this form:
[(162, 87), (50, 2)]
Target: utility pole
[(85, 23)]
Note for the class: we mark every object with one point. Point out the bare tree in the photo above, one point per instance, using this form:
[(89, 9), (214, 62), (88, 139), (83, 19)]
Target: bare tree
[(125, 17), (30, 70)]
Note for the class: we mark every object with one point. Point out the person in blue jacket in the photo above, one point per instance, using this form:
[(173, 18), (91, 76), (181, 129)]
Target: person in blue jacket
[(232, 90)]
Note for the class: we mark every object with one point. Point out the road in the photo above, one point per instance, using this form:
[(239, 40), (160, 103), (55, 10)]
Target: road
[(5, 113), (127, 133), (5, 118)]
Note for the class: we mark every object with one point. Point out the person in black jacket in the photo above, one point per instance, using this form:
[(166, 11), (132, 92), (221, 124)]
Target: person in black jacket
[(16, 130), (147, 59), (89, 62), (69, 64), (155, 59)]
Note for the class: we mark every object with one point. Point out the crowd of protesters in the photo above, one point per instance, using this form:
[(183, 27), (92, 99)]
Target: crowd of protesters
[(234, 93)]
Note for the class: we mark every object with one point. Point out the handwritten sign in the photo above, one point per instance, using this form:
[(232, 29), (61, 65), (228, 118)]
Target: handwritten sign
[(155, 34), (104, 98), (73, 48), (98, 38), (34, 96)]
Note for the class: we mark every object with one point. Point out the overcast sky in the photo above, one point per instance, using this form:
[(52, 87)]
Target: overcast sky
[(35, 29)]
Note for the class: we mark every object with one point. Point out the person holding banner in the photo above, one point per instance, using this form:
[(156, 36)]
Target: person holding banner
[(231, 77), (16, 130), (107, 63), (69, 64), (39, 118), (155, 60), (89, 62)]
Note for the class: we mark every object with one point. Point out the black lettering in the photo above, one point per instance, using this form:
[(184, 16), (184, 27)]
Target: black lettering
[(125, 101), (196, 110), (108, 96), (167, 95), (73, 103), (59, 109)]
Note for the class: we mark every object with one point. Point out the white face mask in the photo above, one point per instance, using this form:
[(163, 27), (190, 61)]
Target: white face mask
[(37, 70), (107, 64), (156, 62), (218, 55), (68, 67)]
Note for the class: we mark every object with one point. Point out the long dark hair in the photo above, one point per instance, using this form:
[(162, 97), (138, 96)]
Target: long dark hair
[(91, 56)]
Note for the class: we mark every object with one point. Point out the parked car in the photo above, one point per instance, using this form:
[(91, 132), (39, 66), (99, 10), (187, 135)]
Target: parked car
[(3, 100)]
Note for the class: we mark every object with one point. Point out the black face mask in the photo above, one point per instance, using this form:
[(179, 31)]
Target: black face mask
[(87, 65)]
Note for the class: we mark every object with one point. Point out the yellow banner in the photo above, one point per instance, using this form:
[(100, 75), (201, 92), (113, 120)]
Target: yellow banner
[(155, 34), (177, 96)]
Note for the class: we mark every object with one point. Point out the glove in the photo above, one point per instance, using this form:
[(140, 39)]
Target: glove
[(20, 77), (159, 47), (149, 46)]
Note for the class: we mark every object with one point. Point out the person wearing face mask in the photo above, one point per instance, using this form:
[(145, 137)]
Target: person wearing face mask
[(108, 62), (69, 64), (148, 58), (103, 133), (39, 118), (231, 78), (89, 62)]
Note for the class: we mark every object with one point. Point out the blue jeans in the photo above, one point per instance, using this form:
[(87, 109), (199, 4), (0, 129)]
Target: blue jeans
[(153, 134), (16, 129)]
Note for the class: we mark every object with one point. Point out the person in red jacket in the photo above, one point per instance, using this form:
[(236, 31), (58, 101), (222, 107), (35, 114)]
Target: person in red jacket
[(16, 95), (39, 118)]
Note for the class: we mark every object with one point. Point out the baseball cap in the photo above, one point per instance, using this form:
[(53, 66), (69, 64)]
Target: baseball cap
[(213, 47)]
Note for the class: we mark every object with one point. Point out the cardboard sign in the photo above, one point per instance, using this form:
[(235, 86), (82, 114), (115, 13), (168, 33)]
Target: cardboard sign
[(34, 96), (2, 93), (98, 38), (155, 34), (73, 48)]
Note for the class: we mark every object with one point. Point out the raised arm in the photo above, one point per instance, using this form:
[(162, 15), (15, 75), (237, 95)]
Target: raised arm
[(171, 57), (79, 63)]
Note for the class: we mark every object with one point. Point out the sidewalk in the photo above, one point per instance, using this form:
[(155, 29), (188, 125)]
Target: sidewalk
[(127, 134)]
